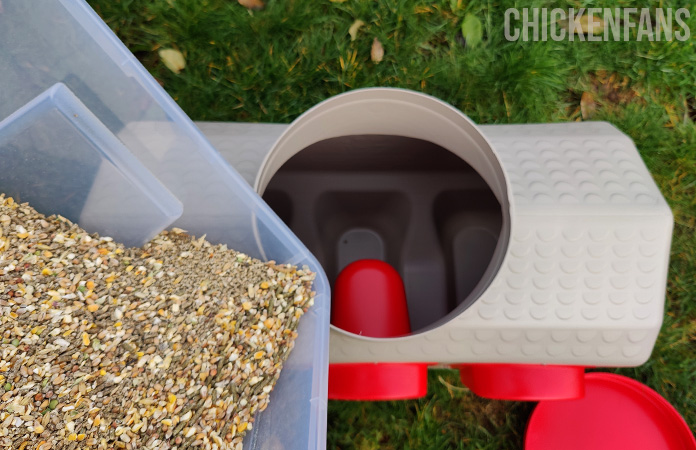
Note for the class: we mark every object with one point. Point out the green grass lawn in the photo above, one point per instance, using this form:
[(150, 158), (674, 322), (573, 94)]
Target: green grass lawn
[(272, 65)]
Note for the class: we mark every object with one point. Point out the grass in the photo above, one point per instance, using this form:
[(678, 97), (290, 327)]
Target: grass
[(449, 417), (272, 65)]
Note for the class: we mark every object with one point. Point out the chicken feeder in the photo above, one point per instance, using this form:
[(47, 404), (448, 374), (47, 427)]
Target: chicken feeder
[(524, 244)]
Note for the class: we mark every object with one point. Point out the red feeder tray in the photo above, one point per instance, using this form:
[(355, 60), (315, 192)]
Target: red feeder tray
[(616, 413)]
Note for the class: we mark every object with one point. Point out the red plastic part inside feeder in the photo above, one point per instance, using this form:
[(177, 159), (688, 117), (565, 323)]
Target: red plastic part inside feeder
[(369, 299), (528, 382)]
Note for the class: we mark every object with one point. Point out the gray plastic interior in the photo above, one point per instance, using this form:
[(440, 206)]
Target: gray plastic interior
[(405, 201)]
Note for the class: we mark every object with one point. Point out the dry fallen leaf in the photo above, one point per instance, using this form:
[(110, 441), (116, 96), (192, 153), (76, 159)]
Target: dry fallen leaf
[(377, 52), (582, 25), (173, 59), (252, 4), (672, 115), (587, 105), (472, 30), (594, 28), (353, 30)]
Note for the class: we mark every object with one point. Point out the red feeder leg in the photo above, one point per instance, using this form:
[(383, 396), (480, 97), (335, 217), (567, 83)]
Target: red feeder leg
[(531, 382), (369, 300), (377, 381)]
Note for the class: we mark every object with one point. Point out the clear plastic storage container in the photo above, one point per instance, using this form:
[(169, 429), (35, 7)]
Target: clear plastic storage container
[(65, 78)]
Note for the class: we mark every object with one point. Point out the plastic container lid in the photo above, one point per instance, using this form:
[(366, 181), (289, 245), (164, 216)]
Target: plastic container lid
[(60, 158), (616, 412)]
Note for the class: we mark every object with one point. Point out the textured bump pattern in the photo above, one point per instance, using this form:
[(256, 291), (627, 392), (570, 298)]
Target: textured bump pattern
[(596, 170), (577, 268)]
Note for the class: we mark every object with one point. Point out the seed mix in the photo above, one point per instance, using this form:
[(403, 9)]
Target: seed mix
[(175, 345)]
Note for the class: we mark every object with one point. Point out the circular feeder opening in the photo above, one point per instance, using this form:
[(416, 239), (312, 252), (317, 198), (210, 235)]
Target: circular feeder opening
[(396, 176), (405, 201)]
